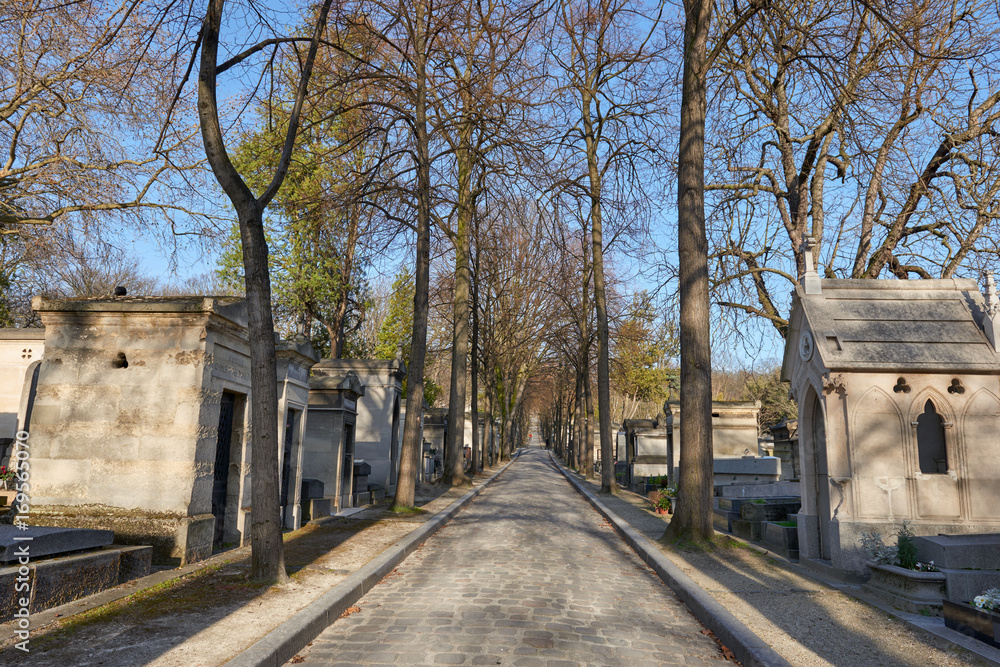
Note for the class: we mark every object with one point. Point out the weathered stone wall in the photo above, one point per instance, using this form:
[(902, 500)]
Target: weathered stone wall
[(294, 359), (333, 402), (140, 436), (734, 428)]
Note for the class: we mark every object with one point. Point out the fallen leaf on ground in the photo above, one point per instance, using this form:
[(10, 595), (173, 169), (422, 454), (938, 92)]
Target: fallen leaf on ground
[(349, 611)]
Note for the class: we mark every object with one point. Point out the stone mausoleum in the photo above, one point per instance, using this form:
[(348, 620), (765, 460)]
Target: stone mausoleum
[(898, 388), (20, 353), (376, 432), (294, 359), (140, 419)]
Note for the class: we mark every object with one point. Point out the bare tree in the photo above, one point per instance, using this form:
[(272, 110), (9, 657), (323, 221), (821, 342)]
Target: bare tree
[(869, 129), (693, 521), (267, 553), (515, 308), (607, 54), (481, 112), (82, 102)]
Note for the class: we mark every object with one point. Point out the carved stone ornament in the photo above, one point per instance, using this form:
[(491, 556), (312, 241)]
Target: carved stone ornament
[(992, 300), (834, 383), (806, 346)]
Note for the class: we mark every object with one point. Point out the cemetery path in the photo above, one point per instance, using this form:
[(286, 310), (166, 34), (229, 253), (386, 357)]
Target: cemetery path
[(528, 574), (805, 621)]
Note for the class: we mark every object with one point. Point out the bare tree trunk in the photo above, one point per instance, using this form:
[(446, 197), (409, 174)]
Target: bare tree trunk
[(455, 439), (608, 484), (336, 326), (410, 454), (588, 449), (578, 439), (694, 520), (489, 435), (476, 458), (266, 546)]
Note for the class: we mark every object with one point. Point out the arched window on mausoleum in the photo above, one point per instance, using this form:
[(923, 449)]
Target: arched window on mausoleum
[(931, 450)]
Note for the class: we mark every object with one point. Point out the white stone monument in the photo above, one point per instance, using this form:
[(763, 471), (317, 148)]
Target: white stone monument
[(898, 387)]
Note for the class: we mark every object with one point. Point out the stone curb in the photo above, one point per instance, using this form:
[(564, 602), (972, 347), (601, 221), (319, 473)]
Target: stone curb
[(281, 644), (750, 649)]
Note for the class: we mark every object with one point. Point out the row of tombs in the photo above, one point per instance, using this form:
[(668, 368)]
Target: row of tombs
[(137, 416), (898, 390)]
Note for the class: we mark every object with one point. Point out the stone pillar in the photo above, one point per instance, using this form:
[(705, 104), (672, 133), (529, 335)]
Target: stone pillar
[(295, 357)]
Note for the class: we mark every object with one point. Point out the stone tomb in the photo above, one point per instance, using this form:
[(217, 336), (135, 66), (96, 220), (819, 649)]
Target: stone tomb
[(20, 353), (648, 449), (294, 359), (734, 437), (786, 448), (970, 562), (434, 429), (898, 387), (379, 415), (329, 446), (63, 564), (139, 421)]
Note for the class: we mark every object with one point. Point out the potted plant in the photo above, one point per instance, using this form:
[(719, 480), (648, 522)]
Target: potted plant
[(899, 578), (663, 505), (980, 619), (6, 475)]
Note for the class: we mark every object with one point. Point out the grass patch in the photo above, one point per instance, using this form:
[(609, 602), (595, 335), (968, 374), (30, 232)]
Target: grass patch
[(703, 546), (787, 524), (172, 596), (407, 510)]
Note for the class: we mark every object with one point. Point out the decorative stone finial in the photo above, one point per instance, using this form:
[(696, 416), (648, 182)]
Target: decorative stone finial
[(991, 322), (811, 279), (992, 302)]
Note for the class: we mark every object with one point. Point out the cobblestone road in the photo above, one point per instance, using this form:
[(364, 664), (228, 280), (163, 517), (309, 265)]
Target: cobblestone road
[(528, 574)]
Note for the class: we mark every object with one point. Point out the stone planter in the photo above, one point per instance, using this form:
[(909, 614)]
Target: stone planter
[(967, 619), (908, 590), (783, 540), (747, 530), (773, 509), (730, 504)]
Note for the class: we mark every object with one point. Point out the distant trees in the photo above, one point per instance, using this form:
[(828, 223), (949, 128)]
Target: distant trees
[(776, 405), (394, 336), (514, 267), (606, 54), (84, 93), (644, 355)]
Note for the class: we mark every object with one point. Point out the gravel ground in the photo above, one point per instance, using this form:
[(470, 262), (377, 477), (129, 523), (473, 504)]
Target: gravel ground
[(808, 623)]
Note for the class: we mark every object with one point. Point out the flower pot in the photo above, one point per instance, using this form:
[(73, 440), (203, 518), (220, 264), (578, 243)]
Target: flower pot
[(908, 590), (967, 619)]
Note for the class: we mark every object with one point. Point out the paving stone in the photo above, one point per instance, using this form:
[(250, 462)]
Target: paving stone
[(528, 574)]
